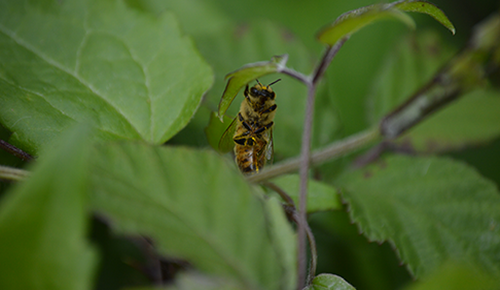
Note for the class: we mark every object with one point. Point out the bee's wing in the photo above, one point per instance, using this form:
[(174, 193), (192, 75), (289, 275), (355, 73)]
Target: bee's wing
[(226, 142), (270, 146)]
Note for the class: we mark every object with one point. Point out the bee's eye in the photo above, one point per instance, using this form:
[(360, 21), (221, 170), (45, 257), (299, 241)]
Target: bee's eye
[(255, 91)]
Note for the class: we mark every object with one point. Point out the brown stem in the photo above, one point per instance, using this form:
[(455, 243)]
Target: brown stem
[(329, 153), (291, 212), (327, 59), (305, 158), (15, 151)]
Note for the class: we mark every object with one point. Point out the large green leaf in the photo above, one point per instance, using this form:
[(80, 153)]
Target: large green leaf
[(431, 209), (43, 223), (196, 207), (329, 282), (129, 74)]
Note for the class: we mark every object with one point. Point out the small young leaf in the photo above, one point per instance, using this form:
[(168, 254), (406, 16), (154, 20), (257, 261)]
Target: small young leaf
[(431, 210), (239, 78), (427, 8), (130, 75), (43, 223), (195, 207), (329, 282), (352, 21), (320, 196), (219, 135)]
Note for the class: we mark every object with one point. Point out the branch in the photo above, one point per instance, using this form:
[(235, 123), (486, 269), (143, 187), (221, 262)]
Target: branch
[(327, 59), (295, 74), (329, 153), (15, 151), (291, 213), (15, 174), (466, 71), (305, 158)]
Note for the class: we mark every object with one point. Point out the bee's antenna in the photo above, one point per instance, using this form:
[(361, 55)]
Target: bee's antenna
[(274, 82), (258, 82)]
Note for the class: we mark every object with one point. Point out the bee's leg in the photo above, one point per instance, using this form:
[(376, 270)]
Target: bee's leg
[(263, 128), (244, 123), (246, 92), (270, 109)]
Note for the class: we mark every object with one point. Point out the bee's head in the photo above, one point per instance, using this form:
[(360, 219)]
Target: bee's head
[(261, 92)]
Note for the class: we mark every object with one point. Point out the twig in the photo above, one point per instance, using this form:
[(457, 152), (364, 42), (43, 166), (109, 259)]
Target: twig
[(291, 212), (327, 59), (15, 151), (288, 200), (332, 152), (314, 252), (305, 158), (10, 173), (295, 74)]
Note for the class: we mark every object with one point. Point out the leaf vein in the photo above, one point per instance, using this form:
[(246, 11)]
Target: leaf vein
[(59, 66)]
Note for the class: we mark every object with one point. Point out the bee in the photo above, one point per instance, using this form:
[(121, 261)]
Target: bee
[(253, 136)]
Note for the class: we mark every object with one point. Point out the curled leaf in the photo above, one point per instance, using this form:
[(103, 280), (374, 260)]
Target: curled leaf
[(246, 74), (219, 135), (427, 8), (352, 21)]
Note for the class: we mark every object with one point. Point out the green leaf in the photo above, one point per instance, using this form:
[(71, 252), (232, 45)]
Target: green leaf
[(472, 120), (128, 74), (241, 77), (195, 281), (329, 282), (430, 209), (350, 22), (195, 207), (216, 130), (282, 237), (426, 8), (43, 223), (320, 196), (456, 276)]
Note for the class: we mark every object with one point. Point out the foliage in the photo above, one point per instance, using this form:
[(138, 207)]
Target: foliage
[(94, 89)]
